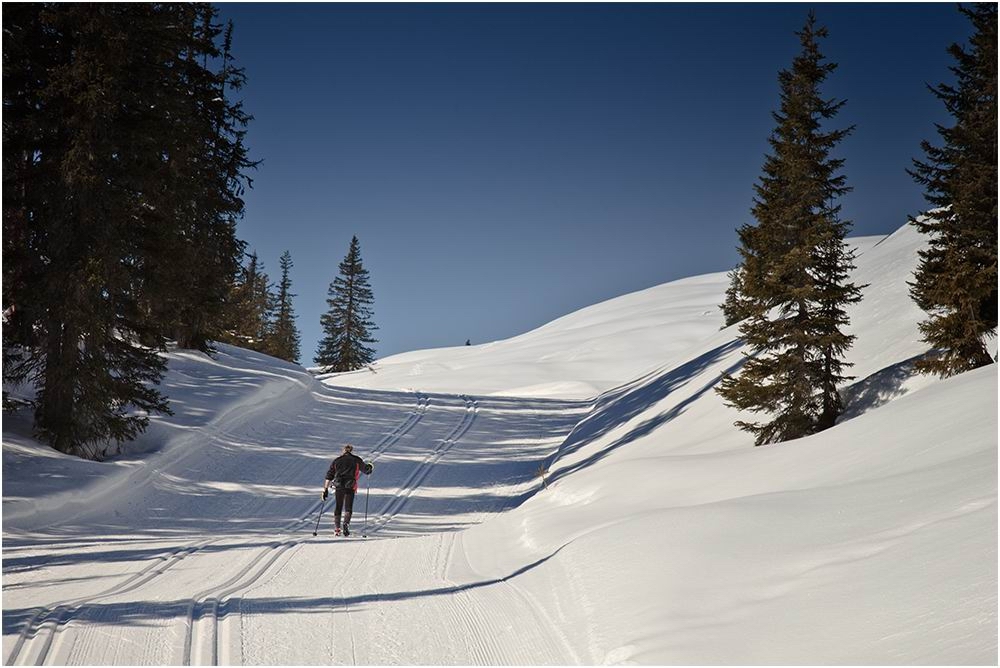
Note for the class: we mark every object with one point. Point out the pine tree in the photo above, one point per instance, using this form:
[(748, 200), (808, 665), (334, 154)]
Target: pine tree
[(252, 306), (348, 325), (833, 263), (792, 285), (199, 249), (102, 138), (736, 307), (956, 281), (80, 216), (284, 338), (30, 52)]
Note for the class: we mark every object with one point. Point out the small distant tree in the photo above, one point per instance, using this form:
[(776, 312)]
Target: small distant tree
[(956, 281), (284, 335), (252, 307), (736, 306), (542, 473), (348, 325)]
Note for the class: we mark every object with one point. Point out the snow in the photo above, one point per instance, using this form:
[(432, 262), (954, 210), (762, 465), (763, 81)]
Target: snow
[(575, 357), (659, 534)]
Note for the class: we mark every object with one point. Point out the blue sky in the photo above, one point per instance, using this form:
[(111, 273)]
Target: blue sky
[(505, 164)]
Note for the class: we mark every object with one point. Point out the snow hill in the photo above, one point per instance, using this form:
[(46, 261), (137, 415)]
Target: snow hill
[(658, 536)]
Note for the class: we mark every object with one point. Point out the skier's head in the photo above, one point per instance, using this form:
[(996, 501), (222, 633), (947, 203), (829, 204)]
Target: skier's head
[(348, 448)]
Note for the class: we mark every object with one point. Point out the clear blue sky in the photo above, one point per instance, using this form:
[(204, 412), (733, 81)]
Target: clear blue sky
[(505, 164)]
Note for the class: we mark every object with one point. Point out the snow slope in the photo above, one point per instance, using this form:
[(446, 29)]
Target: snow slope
[(577, 356), (661, 535), (574, 357)]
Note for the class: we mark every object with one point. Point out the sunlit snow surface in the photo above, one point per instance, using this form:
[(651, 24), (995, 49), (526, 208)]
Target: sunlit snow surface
[(661, 537)]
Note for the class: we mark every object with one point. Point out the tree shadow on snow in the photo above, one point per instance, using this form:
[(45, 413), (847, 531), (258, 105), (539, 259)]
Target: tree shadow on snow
[(124, 555), (637, 401), (145, 613), (877, 389)]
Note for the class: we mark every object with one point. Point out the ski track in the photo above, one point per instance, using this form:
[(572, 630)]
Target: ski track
[(206, 604), (410, 485), (371, 598), (209, 627), (53, 622), (393, 506), (50, 622)]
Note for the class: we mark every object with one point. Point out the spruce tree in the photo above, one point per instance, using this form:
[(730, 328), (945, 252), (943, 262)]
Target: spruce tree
[(81, 219), (284, 335), (792, 284), (30, 52), (736, 307), (206, 163), (956, 281), (348, 325), (252, 307), (104, 130)]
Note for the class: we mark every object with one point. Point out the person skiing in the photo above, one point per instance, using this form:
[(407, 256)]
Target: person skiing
[(344, 472)]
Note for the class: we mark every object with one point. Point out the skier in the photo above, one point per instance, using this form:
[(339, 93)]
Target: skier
[(344, 473)]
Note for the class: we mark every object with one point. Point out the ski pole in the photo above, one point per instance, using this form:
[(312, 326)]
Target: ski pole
[(368, 489), (322, 505)]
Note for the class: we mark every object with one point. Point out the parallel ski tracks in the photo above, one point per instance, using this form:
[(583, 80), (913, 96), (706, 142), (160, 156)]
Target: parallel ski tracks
[(251, 576), (410, 485), (44, 625), (204, 608), (47, 622)]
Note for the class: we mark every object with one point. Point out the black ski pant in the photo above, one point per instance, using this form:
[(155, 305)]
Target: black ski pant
[(345, 503)]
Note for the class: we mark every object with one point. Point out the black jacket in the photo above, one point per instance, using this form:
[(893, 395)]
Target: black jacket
[(345, 470)]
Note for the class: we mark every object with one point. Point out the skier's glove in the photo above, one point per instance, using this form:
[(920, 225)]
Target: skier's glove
[(369, 467), (325, 493)]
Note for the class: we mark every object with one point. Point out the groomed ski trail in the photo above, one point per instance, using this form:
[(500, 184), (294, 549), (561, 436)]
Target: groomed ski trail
[(48, 628), (392, 602), (192, 594)]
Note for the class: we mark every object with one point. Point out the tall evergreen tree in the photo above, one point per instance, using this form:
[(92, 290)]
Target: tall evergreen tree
[(284, 339), (348, 325), (104, 128), (793, 278), (199, 250), (956, 281)]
